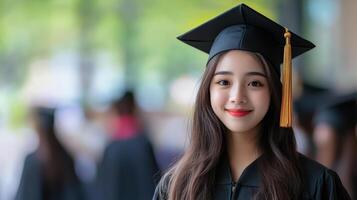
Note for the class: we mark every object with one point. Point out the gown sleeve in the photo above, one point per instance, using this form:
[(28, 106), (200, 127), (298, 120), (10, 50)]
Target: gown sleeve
[(329, 187)]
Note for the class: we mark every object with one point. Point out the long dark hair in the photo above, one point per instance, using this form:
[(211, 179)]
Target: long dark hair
[(193, 175), (57, 164)]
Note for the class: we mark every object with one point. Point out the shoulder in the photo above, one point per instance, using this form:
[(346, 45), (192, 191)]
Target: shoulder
[(314, 171), (311, 168), (141, 140), (162, 188), (321, 182), (31, 157), (31, 161)]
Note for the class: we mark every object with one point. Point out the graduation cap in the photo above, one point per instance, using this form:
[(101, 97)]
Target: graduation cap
[(242, 28), (307, 104), (310, 99), (340, 112)]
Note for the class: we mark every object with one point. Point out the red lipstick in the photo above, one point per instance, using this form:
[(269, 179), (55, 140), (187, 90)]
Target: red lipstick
[(238, 112)]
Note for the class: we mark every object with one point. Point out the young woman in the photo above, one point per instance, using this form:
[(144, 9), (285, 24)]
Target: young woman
[(238, 150)]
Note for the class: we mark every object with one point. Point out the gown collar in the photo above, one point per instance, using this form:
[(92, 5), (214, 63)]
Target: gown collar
[(251, 175)]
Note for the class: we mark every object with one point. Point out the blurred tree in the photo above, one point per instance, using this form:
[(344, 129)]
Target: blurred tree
[(87, 20), (129, 12), (138, 35)]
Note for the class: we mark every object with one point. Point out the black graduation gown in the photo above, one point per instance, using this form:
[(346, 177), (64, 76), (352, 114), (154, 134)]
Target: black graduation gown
[(32, 187), (320, 182), (128, 170)]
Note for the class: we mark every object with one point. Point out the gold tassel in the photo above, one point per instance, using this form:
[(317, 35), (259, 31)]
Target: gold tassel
[(286, 104)]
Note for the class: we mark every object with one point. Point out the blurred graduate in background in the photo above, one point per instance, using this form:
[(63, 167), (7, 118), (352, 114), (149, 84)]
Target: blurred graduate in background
[(336, 141), (306, 102), (48, 173), (128, 169)]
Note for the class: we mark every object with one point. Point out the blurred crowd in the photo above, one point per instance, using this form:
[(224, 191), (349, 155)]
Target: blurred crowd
[(109, 154), (325, 130)]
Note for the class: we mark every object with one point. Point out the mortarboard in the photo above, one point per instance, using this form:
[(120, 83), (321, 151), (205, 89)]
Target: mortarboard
[(242, 28), (340, 112), (308, 102), (310, 99)]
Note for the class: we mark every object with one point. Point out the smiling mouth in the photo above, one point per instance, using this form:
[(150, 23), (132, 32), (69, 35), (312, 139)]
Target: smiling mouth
[(238, 112)]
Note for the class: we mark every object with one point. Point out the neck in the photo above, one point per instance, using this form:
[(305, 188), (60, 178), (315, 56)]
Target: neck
[(242, 150)]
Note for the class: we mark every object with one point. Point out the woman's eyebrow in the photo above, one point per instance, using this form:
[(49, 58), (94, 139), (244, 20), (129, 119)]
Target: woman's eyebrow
[(223, 73), (256, 74)]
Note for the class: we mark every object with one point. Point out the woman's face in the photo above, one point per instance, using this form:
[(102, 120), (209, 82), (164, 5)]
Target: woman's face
[(239, 91)]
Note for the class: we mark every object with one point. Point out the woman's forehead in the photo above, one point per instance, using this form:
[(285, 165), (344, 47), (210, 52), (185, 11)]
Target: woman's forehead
[(239, 61)]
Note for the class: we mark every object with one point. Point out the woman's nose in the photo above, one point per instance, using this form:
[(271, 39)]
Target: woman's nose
[(238, 95)]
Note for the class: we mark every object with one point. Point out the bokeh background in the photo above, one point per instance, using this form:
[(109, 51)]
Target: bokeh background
[(79, 55)]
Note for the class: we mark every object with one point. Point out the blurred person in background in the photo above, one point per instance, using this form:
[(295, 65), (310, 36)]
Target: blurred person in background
[(124, 122), (48, 173), (241, 146), (128, 169), (335, 139), (305, 107)]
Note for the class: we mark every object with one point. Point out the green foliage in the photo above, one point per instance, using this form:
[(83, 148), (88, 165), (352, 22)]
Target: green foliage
[(17, 112), (140, 34)]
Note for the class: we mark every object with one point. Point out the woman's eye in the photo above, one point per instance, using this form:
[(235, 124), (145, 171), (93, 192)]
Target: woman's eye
[(223, 82), (255, 84)]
